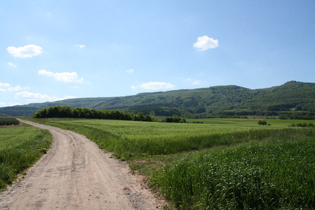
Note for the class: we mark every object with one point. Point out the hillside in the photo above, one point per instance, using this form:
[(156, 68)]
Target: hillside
[(293, 98)]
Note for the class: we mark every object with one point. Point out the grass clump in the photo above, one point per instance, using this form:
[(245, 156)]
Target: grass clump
[(271, 174), (20, 148)]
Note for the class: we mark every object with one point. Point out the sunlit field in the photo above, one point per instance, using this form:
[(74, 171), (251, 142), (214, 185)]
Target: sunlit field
[(20, 147), (214, 163), (127, 138)]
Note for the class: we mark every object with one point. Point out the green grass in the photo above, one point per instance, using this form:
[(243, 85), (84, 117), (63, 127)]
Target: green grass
[(20, 148), (128, 139), (278, 172), (219, 164)]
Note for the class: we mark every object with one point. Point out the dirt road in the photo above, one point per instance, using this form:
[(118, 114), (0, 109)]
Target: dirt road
[(76, 174)]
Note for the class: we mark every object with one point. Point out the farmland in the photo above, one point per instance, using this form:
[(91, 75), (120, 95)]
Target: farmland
[(8, 121), (20, 147), (214, 164)]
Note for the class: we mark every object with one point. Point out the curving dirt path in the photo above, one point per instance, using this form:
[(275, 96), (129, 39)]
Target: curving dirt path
[(76, 174)]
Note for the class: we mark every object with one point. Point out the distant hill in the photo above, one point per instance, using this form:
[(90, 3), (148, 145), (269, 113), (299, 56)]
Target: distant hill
[(291, 98)]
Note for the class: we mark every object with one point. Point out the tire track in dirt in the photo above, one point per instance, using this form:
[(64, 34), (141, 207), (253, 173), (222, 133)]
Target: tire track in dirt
[(76, 174)]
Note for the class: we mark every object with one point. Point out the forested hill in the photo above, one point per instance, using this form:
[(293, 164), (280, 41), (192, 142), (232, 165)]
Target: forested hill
[(291, 98)]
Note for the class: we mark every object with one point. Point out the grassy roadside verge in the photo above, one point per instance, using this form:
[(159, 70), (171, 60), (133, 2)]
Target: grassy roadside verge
[(230, 164), (20, 148)]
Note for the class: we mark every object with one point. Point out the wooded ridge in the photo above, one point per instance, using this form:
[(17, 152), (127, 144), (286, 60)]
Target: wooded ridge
[(290, 100)]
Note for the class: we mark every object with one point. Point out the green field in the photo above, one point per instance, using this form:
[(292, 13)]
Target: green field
[(20, 147), (216, 164)]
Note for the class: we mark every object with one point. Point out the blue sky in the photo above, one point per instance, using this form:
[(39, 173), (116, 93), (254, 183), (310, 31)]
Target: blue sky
[(58, 49)]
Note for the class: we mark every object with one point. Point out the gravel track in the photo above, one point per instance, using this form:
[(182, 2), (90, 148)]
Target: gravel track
[(76, 174)]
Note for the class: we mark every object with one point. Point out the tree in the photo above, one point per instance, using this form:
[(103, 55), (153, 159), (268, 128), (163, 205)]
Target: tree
[(176, 119), (262, 122)]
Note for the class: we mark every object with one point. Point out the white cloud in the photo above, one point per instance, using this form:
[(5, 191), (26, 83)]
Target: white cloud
[(32, 96), (12, 64), (205, 43), (132, 87), (7, 87), (80, 46), (29, 96), (25, 52), (156, 85), (63, 98), (16, 88), (197, 82), (62, 76), (130, 70)]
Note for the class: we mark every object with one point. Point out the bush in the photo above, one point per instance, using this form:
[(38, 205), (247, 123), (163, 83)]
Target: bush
[(262, 122), (175, 119), (303, 125)]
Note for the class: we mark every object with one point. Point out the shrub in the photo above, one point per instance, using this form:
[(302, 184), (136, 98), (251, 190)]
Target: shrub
[(262, 122), (175, 119)]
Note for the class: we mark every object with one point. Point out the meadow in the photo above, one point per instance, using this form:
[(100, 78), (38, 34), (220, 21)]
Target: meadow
[(20, 148), (215, 163)]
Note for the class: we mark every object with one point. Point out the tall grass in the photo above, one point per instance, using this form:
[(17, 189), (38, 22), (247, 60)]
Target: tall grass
[(20, 147), (128, 139), (278, 172)]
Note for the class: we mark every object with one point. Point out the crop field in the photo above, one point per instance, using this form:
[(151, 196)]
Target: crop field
[(20, 147), (8, 121), (214, 163)]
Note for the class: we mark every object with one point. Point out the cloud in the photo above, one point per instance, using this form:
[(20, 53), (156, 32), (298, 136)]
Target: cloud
[(197, 82), (39, 97), (12, 64), (62, 76), (156, 85), (80, 46), (205, 43), (7, 87), (4, 85), (32, 96), (130, 70), (27, 51), (63, 98)]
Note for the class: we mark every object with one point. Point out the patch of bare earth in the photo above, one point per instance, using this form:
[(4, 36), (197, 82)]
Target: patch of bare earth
[(76, 174), (10, 126)]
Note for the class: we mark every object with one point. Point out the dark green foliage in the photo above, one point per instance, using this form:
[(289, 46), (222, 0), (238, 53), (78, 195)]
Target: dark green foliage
[(68, 112), (175, 119), (303, 125), (293, 100), (262, 122), (8, 121)]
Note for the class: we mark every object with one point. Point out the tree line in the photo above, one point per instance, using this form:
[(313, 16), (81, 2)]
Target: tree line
[(68, 112), (60, 111)]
